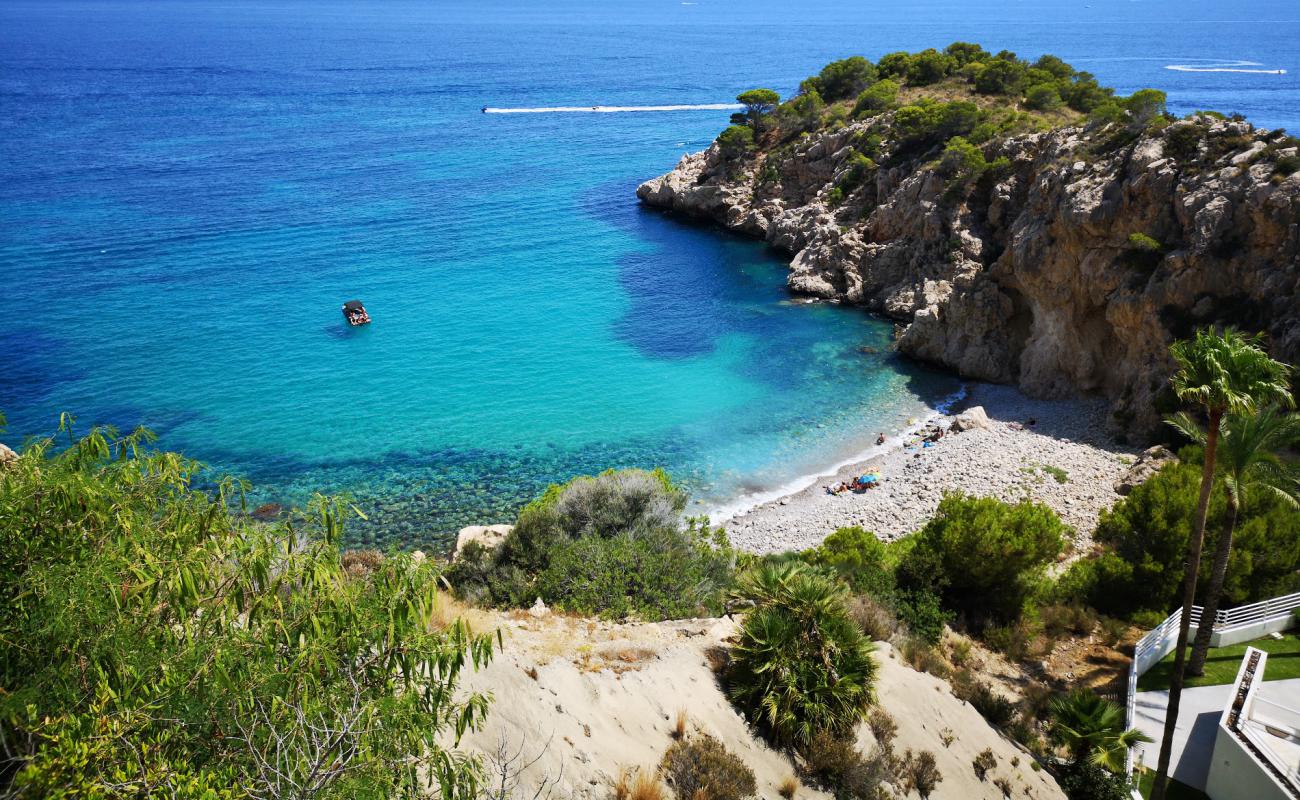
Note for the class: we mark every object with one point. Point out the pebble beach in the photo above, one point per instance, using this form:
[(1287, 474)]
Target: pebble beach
[(1056, 452)]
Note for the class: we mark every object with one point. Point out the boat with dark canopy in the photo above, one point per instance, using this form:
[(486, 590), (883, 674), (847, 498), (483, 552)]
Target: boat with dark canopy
[(355, 313)]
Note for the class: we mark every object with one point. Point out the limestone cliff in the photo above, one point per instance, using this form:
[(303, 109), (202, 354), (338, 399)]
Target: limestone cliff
[(1070, 267)]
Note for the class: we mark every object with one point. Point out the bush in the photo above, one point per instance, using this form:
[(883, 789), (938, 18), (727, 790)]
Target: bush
[(702, 764), (922, 613), (801, 666), (1090, 782), (612, 544), (736, 140), (1043, 97), (1287, 165), (927, 123), (921, 773), (962, 162), (982, 556), (876, 620), (924, 657), (1000, 77), (984, 763), (662, 574), (837, 765), (880, 97), (929, 66), (858, 557), (1146, 536), (840, 80), (1143, 243), (998, 710)]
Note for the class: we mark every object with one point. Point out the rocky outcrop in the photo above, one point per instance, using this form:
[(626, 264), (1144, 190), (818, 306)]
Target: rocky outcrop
[(7, 457), (1031, 275), (1144, 468), (487, 536)]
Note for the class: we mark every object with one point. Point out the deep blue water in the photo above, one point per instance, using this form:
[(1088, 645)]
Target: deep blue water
[(188, 190)]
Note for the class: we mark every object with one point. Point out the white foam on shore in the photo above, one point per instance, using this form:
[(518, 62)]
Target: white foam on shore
[(728, 511), (612, 109), (1246, 67)]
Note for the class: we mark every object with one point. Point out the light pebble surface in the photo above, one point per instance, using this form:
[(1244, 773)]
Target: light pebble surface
[(1003, 462)]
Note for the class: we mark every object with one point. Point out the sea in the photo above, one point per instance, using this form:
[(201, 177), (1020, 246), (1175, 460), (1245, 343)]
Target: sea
[(189, 190)]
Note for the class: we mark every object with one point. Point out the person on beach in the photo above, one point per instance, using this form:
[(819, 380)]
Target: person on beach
[(880, 438)]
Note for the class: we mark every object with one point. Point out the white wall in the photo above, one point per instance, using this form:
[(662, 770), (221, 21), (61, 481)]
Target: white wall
[(1235, 775)]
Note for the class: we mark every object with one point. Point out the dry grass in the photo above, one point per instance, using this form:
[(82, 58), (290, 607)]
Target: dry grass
[(531, 672), (638, 784), (447, 609), (788, 787), (679, 727)]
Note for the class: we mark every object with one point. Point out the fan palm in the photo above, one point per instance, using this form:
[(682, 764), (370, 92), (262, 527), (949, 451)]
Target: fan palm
[(1092, 729), (1248, 462), (802, 665), (1221, 373)]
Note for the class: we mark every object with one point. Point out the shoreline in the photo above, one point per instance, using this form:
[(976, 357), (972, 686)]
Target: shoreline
[(749, 501), (1010, 460)]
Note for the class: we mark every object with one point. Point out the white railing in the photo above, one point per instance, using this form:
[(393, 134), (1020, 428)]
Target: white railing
[(1263, 611), (1246, 622)]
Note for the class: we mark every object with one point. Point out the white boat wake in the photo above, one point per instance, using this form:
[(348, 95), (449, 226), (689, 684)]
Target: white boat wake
[(1247, 67), (611, 109)]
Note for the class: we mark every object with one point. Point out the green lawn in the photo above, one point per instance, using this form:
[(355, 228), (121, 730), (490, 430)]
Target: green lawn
[(1223, 663), (1175, 791)]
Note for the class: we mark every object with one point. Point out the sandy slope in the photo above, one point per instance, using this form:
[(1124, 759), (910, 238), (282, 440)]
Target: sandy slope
[(606, 696)]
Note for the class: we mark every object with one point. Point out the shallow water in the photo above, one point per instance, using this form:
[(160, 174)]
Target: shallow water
[(190, 189)]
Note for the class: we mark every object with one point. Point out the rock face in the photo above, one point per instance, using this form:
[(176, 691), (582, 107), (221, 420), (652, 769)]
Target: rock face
[(1033, 275), (7, 457)]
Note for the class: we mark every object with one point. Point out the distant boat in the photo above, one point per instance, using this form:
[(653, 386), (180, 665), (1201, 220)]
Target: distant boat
[(355, 313)]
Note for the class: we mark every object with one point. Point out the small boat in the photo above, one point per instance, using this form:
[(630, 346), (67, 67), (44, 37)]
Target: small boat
[(355, 313)]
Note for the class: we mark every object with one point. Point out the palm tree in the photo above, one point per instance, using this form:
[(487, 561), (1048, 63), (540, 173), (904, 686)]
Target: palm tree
[(1248, 463), (1092, 729), (801, 665), (1221, 373)]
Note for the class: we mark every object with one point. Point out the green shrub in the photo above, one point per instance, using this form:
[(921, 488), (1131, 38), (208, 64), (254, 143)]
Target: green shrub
[(1183, 142), (1000, 76), (702, 764), (929, 66), (843, 79), (984, 558), (1146, 535), (858, 557), (1091, 782), (612, 545), (801, 665), (1143, 243), (922, 612), (962, 162), (152, 643), (662, 574), (874, 99), (927, 123), (1043, 97), (735, 140), (1287, 165)]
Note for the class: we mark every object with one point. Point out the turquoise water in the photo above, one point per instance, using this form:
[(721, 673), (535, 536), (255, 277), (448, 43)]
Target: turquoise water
[(190, 189)]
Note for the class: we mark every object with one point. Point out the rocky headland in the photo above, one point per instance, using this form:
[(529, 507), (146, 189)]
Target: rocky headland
[(1068, 268)]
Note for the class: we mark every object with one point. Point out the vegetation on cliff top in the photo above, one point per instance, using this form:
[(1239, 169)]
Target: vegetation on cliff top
[(950, 107)]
